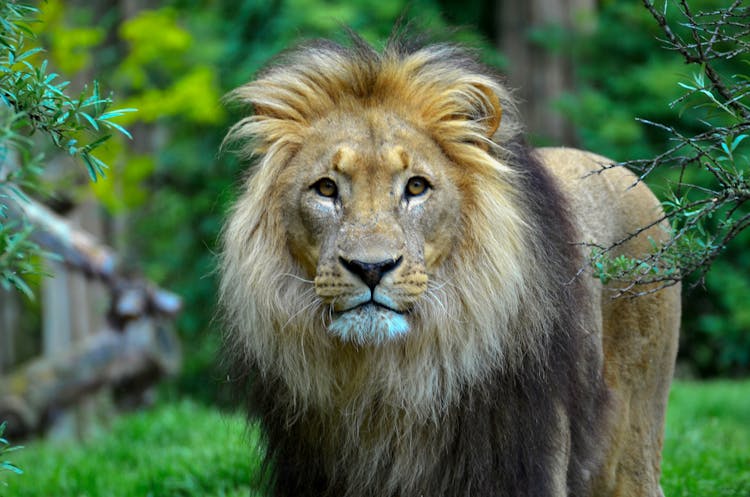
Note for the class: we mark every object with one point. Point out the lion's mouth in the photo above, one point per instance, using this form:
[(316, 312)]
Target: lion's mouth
[(371, 303)]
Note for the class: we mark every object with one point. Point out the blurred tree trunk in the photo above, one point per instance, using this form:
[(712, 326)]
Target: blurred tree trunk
[(541, 73)]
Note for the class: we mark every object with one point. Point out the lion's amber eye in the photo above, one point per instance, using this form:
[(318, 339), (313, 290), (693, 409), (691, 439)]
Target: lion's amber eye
[(326, 187), (416, 186)]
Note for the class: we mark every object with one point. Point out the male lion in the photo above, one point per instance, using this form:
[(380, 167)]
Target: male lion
[(400, 285)]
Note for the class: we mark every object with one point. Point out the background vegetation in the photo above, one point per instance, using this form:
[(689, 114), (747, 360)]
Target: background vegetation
[(37, 104), (174, 63), (167, 190), (623, 67)]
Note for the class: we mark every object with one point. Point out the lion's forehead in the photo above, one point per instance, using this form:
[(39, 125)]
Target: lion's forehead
[(370, 145), (369, 162)]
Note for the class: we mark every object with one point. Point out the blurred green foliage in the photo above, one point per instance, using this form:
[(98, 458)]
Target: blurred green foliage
[(180, 449), (38, 109), (170, 188)]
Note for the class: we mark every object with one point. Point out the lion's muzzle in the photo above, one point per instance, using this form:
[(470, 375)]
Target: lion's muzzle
[(364, 311)]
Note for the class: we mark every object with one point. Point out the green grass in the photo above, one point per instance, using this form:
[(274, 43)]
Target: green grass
[(180, 450), (707, 444), (187, 450)]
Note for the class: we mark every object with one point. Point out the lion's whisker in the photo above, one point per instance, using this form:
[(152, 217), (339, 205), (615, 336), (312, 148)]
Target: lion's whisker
[(304, 308), (296, 277)]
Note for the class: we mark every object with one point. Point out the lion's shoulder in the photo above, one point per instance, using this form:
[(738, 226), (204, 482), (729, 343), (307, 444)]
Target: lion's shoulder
[(607, 203)]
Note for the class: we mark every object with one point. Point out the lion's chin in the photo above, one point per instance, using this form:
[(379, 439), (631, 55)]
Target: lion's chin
[(369, 324)]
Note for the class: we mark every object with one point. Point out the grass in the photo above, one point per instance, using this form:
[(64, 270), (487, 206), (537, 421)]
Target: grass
[(707, 444), (181, 449), (188, 450)]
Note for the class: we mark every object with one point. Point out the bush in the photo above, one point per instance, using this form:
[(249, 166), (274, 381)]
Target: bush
[(693, 150)]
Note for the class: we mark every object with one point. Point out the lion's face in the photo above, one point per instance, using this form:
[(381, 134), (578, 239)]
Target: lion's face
[(372, 210), (381, 206)]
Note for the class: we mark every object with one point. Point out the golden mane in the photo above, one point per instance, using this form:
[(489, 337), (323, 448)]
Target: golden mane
[(467, 326), (442, 90), (439, 88)]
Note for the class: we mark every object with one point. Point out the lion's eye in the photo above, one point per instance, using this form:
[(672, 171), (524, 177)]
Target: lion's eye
[(416, 186), (326, 187)]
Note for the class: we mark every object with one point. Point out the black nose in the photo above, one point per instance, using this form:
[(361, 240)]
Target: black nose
[(371, 272)]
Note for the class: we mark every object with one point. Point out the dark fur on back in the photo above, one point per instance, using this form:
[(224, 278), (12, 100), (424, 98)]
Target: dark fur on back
[(502, 438)]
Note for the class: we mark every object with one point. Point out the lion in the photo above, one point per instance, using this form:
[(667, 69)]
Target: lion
[(404, 286)]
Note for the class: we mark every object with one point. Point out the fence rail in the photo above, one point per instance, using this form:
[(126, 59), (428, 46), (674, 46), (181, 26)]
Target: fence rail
[(101, 329)]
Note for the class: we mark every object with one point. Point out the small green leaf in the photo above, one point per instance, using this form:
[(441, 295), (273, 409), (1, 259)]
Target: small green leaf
[(29, 53), (90, 119), (115, 113), (90, 166), (94, 144), (100, 166), (21, 286), (119, 128)]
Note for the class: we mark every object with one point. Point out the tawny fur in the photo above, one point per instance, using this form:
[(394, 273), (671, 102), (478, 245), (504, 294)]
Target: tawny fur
[(503, 330)]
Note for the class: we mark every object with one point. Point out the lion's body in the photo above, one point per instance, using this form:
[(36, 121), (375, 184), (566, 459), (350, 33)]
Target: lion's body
[(639, 335), (401, 279)]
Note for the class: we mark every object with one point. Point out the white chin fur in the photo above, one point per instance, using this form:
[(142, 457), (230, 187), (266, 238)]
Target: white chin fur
[(369, 324)]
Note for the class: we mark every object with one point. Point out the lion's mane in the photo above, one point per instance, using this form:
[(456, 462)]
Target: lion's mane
[(472, 401)]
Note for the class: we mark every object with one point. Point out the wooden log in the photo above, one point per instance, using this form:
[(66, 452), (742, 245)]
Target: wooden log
[(147, 350), (80, 251)]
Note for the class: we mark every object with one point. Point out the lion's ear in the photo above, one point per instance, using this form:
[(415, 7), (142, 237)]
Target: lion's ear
[(491, 112), (473, 110)]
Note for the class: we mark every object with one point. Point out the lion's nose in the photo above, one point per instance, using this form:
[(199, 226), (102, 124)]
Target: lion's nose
[(371, 272)]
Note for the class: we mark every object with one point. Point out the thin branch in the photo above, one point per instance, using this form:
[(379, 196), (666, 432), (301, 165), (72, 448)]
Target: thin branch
[(678, 44)]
